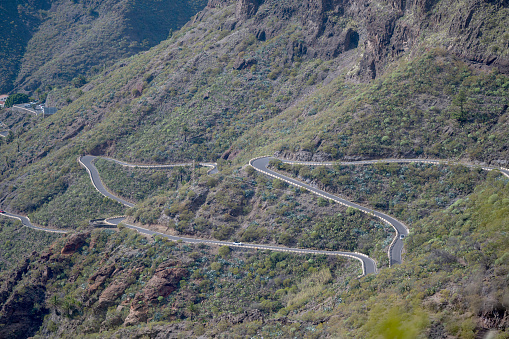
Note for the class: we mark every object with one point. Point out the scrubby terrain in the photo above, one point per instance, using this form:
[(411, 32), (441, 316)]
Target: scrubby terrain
[(48, 43), (453, 282), (301, 80)]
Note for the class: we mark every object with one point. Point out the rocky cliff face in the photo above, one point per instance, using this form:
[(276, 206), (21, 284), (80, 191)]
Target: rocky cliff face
[(22, 305), (381, 32), (74, 243), (384, 31), (247, 8), (25, 298), (23, 312)]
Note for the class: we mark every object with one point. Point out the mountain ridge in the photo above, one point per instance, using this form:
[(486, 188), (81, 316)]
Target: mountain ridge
[(66, 39)]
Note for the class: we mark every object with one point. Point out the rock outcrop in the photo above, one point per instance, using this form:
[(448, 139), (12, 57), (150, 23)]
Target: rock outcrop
[(74, 243), (493, 315), (247, 8), (22, 314), (98, 278), (163, 283), (117, 288), (243, 63), (112, 292), (137, 312), (219, 3)]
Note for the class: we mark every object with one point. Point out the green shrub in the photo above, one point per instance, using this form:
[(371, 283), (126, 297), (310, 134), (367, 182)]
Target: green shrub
[(224, 251), (18, 98)]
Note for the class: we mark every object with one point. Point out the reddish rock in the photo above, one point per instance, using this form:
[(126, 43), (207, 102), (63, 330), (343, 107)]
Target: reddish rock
[(74, 243), (112, 292), (163, 282), (230, 154), (117, 288), (46, 255), (93, 242), (98, 278), (19, 316), (243, 63), (103, 271), (138, 312)]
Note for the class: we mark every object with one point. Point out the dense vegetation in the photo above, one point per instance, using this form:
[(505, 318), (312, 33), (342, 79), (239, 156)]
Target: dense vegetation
[(412, 112), (16, 32), (243, 207), (205, 286), (18, 98), (408, 191), (138, 184), (77, 195)]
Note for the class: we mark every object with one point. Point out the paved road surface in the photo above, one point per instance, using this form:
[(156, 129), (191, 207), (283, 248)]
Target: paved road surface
[(504, 171), (260, 164), (27, 223), (29, 110), (212, 165), (396, 247), (368, 264), (88, 162)]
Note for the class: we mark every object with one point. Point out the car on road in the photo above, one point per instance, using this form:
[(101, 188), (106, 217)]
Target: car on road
[(237, 243), (402, 236), (2, 211)]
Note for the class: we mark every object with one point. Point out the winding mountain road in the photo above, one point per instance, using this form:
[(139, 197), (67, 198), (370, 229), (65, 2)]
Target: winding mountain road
[(212, 165), (503, 170), (26, 222), (88, 162), (260, 164), (368, 264), (396, 246)]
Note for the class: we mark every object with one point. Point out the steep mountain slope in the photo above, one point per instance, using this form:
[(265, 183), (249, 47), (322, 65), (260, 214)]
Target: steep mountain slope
[(199, 94), (305, 80), (49, 43), (18, 24), (453, 284)]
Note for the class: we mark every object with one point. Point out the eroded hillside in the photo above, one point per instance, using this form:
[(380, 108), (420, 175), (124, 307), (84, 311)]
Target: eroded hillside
[(303, 80)]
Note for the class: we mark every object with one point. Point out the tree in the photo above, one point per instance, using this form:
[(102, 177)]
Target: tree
[(224, 251), (18, 98), (459, 100), (79, 81)]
